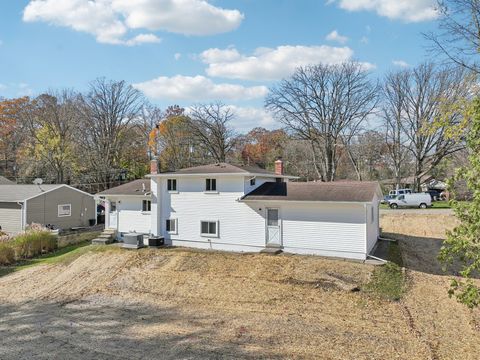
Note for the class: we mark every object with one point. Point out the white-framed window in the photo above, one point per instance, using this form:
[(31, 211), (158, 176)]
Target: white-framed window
[(252, 182), (172, 184), (209, 228), (171, 226), (211, 185), (146, 205), (64, 210)]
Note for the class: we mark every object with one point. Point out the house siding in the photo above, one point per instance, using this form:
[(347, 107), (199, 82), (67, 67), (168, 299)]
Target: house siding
[(131, 218), (330, 229), (324, 229), (239, 225), (10, 217), (43, 209)]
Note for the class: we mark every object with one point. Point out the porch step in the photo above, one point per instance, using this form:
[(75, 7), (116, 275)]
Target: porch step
[(102, 241), (271, 251), (106, 237)]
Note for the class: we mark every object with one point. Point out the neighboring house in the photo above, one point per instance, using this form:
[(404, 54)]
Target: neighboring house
[(5, 181), (59, 205), (242, 208), (127, 207)]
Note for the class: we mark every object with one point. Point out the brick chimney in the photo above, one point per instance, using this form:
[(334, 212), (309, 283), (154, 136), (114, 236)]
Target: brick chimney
[(154, 166), (279, 167)]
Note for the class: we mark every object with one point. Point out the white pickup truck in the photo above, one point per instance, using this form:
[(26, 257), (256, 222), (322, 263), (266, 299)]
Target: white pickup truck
[(420, 200)]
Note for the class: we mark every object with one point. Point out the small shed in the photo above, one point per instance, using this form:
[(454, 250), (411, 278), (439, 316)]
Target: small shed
[(59, 205)]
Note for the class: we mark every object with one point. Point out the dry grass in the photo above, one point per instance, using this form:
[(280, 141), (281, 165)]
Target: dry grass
[(176, 303)]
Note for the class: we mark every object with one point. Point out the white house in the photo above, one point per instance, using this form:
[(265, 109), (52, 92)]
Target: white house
[(128, 207), (241, 208)]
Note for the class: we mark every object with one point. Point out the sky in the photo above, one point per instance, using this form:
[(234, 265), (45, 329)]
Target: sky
[(197, 51)]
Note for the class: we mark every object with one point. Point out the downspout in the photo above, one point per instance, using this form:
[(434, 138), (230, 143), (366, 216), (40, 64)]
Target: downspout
[(23, 212)]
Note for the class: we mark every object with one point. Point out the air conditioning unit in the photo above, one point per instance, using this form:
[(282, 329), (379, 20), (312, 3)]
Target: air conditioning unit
[(132, 240)]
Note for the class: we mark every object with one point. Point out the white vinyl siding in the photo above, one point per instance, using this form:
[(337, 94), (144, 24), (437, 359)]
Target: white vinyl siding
[(131, 217), (239, 224), (373, 230), (324, 228)]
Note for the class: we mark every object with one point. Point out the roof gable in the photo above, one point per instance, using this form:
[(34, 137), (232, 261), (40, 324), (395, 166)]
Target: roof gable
[(343, 191), (5, 181), (136, 187)]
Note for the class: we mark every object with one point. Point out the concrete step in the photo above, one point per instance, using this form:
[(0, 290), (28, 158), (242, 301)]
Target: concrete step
[(101, 241), (110, 231), (106, 236)]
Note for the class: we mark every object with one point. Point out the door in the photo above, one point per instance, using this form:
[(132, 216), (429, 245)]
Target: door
[(113, 215), (273, 232)]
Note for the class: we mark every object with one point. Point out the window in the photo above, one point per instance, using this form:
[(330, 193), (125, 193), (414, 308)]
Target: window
[(211, 185), (209, 228), (172, 184), (252, 182), (171, 226), (146, 205), (64, 210), (372, 214)]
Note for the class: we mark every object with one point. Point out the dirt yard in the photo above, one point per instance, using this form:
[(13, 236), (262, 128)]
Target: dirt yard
[(174, 303)]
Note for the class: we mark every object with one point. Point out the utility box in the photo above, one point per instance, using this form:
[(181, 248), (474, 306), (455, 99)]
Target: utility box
[(156, 241), (132, 240)]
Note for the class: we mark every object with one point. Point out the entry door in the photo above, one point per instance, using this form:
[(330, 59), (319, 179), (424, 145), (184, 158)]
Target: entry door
[(273, 233)]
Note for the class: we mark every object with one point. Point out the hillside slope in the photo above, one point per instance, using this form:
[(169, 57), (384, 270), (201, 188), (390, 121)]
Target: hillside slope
[(175, 303)]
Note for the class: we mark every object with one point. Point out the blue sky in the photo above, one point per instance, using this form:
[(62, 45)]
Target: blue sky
[(190, 51)]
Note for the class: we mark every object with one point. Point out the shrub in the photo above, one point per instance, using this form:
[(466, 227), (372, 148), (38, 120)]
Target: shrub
[(34, 243), (7, 254)]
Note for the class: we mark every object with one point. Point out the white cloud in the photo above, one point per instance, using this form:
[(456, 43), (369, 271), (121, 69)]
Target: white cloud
[(335, 36), (177, 56), (111, 21), (400, 63), (406, 10), (143, 39), (270, 64), (247, 118), (197, 88), (364, 40)]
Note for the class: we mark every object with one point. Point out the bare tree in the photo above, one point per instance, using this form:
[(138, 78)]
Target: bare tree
[(458, 37), (428, 91), (210, 125), (393, 105), (322, 104), (107, 110)]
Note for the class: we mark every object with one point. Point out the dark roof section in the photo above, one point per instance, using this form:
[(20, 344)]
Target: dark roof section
[(341, 191), (221, 168), (132, 188), (5, 181)]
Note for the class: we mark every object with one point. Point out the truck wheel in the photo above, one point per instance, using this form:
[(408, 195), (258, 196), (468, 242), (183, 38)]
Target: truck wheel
[(393, 206), (423, 206)]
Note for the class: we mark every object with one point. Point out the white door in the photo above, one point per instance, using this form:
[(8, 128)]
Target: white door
[(273, 233)]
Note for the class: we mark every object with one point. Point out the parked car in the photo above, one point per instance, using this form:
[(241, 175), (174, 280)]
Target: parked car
[(399, 192), (421, 200)]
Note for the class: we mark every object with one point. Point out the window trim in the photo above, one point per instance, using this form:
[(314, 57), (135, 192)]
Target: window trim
[(210, 191), (174, 191), (62, 205), (146, 201), (217, 223), (175, 221)]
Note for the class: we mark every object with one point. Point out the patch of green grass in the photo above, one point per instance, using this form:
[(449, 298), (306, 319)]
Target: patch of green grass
[(435, 205), (64, 255), (388, 281)]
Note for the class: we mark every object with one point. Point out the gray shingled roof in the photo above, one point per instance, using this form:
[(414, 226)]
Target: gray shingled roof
[(132, 188), (5, 181), (14, 193), (342, 191), (221, 168)]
